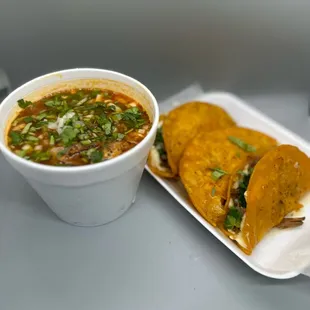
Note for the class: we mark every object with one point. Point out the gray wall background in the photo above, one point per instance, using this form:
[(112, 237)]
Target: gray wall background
[(241, 46)]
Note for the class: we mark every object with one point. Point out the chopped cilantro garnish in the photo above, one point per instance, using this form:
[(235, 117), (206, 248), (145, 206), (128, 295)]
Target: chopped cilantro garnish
[(78, 124), (52, 140), (86, 142), (50, 103), (94, 93), (23, 103), (26, 128), (107, 128), (28, 119), (21, 153), (41, 124), (140, 122), (133, 118), (96, 156), (159, 136), (112, 108), (128, 131), (217, 173), (243, 145), (233, 218), (102, 119), (82, 101), (16, 137), (116, 117), (68, 135), (242, 189), (213, 192), (41, 156), (62, 153), (159, 144), (41, 116), (120, 136), (32, 139), (133, 111)]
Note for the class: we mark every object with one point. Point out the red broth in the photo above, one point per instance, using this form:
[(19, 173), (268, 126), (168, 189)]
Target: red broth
[(77, 127)]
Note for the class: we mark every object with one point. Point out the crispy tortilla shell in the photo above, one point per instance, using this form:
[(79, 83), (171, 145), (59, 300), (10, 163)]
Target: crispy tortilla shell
[(278, 182), (214, 150), (183, 123)]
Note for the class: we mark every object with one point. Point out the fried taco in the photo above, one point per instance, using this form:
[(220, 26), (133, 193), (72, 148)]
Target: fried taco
[(263, 192), (180, 126), (157, 159), (210, 159)]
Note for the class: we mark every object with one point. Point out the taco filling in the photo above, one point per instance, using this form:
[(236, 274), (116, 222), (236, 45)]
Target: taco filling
[(160, 148), (158, 160), (237, 203)]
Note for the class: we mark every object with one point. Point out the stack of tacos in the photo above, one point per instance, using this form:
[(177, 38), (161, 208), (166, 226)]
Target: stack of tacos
[(178, 128), (238, 179)]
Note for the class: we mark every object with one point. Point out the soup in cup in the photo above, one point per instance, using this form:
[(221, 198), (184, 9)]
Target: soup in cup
[(80, 138)]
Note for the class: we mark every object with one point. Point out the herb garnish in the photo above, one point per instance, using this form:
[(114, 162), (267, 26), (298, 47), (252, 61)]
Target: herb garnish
[(50, 103), (233, 218), (159, 144), (243, 145), (96, 156), (26, 128), (28, 119), (23, 103), (41, 156), (120, 136), (41, 116), (21, 153), (94, 93), (62, 152), (107, 128), (32, 139), (68, 135), (16, 137), (133, 118), (159, 135), (217, 173), (213, 191), (243, 188)]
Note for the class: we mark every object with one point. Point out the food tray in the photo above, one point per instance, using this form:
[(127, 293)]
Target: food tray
[(282, 254)]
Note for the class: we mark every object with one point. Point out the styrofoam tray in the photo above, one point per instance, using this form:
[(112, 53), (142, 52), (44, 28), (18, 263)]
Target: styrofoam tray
[(282, 254)]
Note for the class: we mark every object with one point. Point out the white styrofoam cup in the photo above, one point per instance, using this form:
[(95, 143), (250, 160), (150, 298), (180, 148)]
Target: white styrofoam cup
[(88, 195)]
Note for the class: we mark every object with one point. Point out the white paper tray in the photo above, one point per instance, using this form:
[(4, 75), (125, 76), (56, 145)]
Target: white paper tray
[(281, 254)]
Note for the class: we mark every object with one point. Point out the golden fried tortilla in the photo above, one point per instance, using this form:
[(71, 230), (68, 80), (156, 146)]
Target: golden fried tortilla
[(183, 123), (225, 150), (278, 182)]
